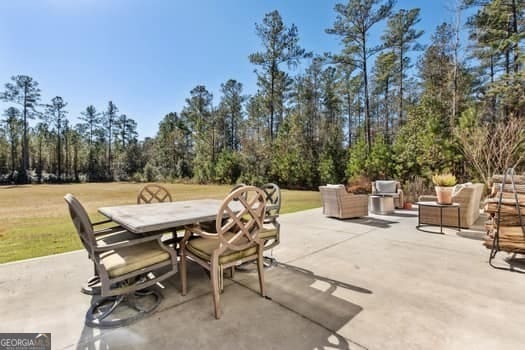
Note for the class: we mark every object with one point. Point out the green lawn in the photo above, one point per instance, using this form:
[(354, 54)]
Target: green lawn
[(35, 222)]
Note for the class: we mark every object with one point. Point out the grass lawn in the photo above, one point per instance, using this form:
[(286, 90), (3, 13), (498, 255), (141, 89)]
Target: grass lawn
[(35, 221)]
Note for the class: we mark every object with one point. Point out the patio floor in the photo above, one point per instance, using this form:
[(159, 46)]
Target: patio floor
[(374, 283)]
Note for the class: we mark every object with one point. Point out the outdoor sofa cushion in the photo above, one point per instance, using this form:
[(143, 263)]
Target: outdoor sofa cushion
[(128, 259), (386, 187)]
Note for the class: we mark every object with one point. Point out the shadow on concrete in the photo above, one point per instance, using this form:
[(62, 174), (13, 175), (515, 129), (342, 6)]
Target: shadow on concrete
[(374, 222), (322, 300), (404, 215), (471, 234)]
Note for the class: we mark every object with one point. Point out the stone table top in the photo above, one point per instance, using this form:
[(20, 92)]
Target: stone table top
[(144, 218)]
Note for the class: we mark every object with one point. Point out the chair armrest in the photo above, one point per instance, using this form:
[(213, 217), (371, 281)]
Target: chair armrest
[(129, 242), (112, 229), (102, 222), (198, 230), (401, 196)]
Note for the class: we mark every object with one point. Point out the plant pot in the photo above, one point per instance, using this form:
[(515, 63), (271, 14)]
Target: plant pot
[(444, 194), (407, 205)]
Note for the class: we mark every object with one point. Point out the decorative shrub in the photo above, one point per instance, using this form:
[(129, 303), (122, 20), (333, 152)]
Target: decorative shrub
[(444, 180)]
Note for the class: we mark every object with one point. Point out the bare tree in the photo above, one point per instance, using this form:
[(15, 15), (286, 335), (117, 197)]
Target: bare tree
[(491, 150)]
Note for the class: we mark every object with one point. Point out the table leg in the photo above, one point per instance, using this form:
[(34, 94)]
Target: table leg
[(459, 219), (440, 219)]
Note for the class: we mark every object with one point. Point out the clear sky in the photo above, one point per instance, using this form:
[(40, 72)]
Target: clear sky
[(146, 55)]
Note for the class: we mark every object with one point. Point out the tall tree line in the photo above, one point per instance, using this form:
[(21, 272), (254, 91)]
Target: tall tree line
[(54, 150), (393, 107)]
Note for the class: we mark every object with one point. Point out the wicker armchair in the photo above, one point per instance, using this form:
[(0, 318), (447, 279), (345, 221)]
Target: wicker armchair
[(343, 205), (469, 198), (390, 188)]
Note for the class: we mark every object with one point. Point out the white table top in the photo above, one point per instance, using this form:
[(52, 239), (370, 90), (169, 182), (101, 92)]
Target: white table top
[(143, 218)]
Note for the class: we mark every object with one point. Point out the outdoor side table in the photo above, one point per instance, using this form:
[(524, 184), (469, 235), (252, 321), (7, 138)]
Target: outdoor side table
[(381, 205), (441, 207)]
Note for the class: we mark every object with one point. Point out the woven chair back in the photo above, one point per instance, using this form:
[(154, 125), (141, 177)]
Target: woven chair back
[(246, 222), (153, 194)]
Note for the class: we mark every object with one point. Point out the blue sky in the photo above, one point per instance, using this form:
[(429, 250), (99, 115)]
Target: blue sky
[(146, 55)]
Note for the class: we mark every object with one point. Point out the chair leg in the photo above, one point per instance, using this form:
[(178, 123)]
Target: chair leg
[(182, 270), (214, 272), (101, 312), (260, 270)]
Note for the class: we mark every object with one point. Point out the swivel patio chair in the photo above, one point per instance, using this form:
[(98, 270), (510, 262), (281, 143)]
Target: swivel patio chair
[(126, 269), (237, 240)]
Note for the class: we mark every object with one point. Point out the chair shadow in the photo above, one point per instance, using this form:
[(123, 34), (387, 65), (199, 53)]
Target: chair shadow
[(320, 299), (323, 301), (471, 234), (370, 221)]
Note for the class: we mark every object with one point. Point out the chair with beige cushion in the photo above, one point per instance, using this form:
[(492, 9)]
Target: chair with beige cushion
[(389, 188), (343, 205), (126, 267), (237, 239), (469, 198)]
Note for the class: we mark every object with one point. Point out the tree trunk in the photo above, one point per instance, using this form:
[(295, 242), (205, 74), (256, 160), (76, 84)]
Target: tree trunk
[(367, 100), (25, 143)]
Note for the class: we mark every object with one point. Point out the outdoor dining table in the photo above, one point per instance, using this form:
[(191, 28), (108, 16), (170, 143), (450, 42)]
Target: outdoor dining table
[(157, 217)]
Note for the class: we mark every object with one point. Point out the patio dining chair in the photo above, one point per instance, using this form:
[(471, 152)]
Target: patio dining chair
[(154, 193), (236, 240), (126, 268), (272, 228)]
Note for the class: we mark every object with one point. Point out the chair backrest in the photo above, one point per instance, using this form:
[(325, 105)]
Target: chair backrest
[(81, 222), (273, 201), (391, 186), (250, 204), (153, 194)]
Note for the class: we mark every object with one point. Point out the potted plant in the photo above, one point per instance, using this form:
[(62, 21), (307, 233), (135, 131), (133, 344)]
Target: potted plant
[(444, 184), (359, 185)]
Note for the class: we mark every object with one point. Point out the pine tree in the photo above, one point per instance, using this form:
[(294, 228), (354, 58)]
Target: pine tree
[(23, 91), (353, 24), (282, 47)]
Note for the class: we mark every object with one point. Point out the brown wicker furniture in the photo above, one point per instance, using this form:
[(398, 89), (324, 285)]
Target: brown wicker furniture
[(389, 188), (237, 240), (343, 205), (125, 267), (442, 207), (468, 196)]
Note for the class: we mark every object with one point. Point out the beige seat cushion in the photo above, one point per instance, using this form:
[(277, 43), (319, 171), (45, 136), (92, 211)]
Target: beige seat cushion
[(128, 259), (268, 232), (204, 247)]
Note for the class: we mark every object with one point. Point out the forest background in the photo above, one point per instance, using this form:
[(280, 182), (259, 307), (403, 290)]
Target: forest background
[(394, 108)]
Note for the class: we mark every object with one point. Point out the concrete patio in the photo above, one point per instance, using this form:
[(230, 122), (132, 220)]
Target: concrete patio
[(374, 283)]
